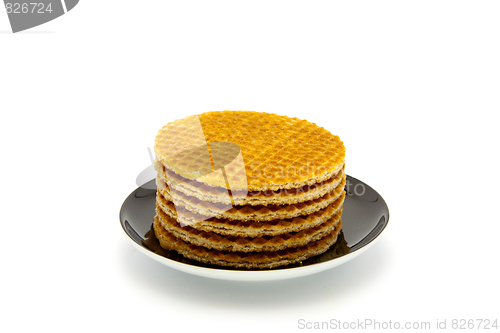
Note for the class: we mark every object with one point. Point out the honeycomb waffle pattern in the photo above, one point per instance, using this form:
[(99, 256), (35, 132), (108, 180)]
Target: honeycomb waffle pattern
[(257, 213), (277, 151), (177, 143), (248, 228), (217, 194), (264, 259), (212, 240)]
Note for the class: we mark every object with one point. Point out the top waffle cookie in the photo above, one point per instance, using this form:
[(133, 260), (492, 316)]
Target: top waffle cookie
[(249, 151)]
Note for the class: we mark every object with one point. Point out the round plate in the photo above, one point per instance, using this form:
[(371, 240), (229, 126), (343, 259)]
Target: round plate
[(365, 215)]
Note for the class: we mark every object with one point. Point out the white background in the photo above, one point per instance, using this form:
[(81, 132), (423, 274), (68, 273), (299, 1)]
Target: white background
[(411, 87)]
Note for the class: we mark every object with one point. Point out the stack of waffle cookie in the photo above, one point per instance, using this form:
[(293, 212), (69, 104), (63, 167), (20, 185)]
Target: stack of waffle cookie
[(248, 189)]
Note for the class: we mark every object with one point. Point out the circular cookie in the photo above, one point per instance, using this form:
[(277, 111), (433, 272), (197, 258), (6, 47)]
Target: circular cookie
[(249, 151)]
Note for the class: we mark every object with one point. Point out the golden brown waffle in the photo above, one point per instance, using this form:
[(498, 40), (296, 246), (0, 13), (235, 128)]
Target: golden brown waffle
[(218, 194), (338, 249), (249, 151), (248, 228), (244, 259), (215, 241), (256, 213)]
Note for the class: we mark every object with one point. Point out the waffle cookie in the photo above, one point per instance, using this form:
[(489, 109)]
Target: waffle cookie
[(213, 240), (249, 151), (267, 259), (247, 212), (218, 194), (247, 228), (247, 189)]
